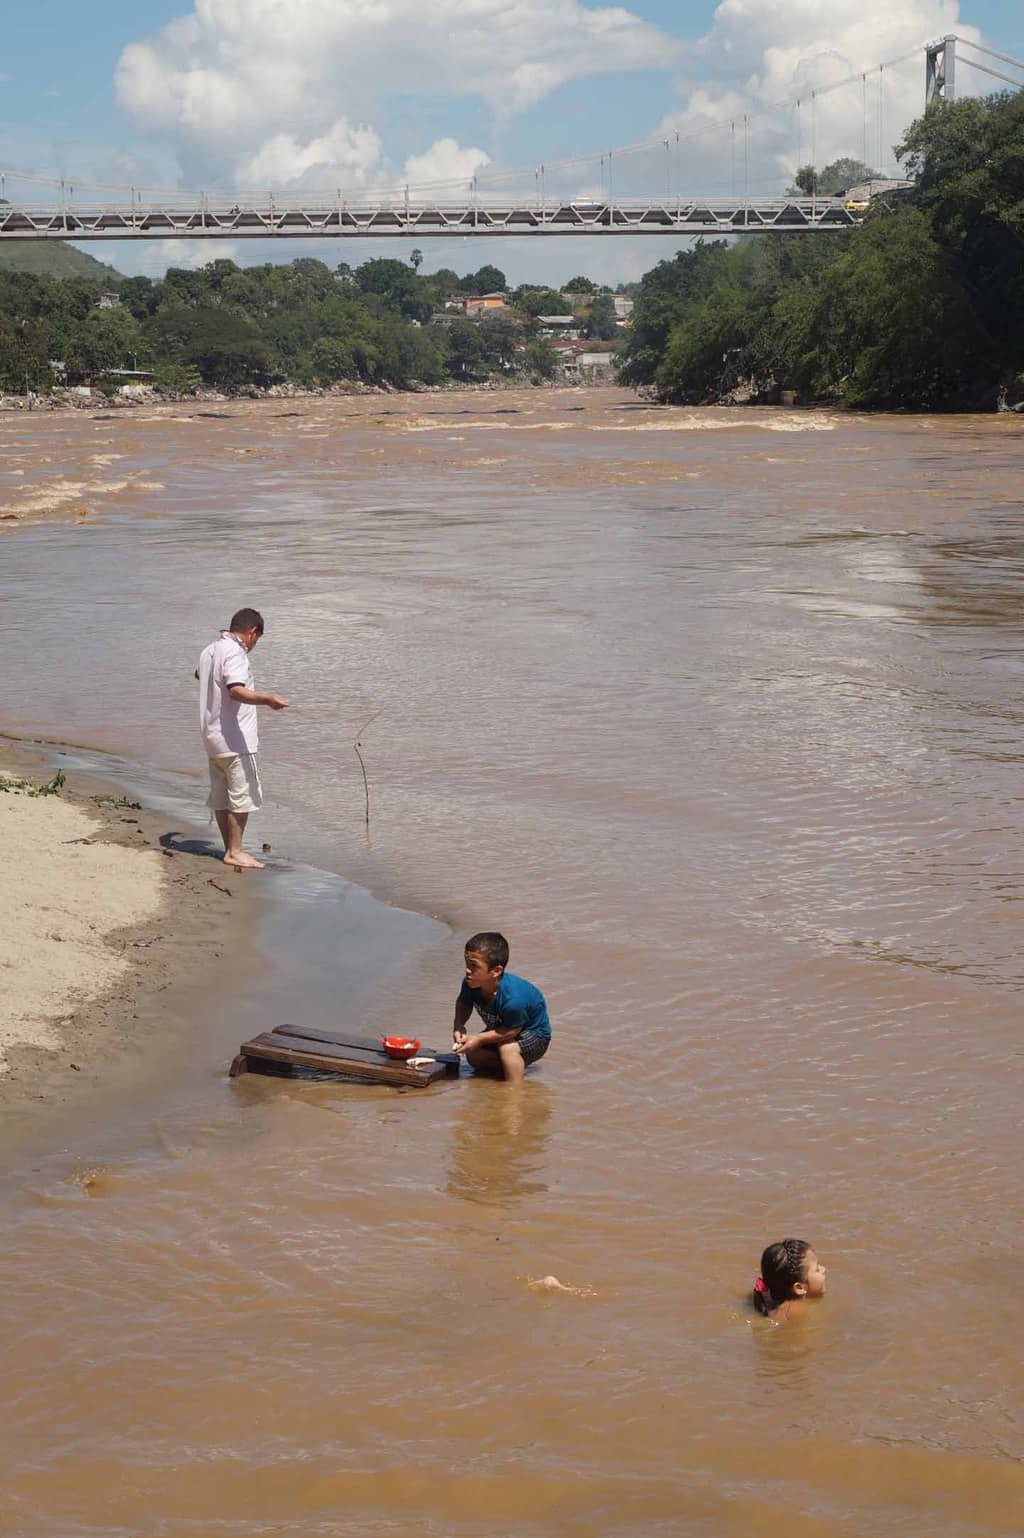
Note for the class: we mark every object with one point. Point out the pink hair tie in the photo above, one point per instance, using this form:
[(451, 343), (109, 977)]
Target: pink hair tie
[(760, 1285)]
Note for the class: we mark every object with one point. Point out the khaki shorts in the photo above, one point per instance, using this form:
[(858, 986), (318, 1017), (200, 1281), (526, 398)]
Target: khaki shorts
[(235, 784)]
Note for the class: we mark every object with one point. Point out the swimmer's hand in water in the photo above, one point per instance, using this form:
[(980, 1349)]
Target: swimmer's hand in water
[(552, 1284)]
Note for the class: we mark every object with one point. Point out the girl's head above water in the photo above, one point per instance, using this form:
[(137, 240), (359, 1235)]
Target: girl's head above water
[(790, 1271)]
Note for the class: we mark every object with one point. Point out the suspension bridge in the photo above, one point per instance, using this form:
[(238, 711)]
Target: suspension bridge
[(577, 196), (302, 218)]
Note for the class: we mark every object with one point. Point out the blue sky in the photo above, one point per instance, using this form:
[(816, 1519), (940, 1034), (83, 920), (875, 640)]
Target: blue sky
[(304, 92)]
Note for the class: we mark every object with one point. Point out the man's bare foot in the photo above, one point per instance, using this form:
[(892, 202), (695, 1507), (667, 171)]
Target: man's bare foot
[(242, 861)]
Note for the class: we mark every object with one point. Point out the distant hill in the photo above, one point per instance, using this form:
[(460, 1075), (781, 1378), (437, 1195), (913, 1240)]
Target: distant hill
[(54, 259)]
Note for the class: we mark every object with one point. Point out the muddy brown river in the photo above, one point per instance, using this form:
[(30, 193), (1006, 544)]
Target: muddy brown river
[(717, 715)]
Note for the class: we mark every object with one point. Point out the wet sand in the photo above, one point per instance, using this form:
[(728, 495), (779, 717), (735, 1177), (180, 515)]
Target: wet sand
[(99, 950)]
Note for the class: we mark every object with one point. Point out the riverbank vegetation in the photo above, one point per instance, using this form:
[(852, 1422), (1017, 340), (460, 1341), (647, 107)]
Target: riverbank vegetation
[(230, 328), (922, 307)]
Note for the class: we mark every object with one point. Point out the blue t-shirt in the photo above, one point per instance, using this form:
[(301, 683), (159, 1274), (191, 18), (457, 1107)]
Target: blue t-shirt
[(517, 1006)]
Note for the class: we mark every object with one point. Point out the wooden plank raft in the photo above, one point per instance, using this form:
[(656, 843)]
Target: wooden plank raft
[(338, 1052)]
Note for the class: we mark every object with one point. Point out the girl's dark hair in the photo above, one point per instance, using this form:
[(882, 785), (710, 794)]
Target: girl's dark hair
[(782, 1266)]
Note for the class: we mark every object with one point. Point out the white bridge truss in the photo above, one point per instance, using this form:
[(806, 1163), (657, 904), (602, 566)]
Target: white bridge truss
[(207, 218)]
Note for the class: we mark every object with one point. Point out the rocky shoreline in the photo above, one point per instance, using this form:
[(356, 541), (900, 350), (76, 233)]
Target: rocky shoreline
[(86, 399)]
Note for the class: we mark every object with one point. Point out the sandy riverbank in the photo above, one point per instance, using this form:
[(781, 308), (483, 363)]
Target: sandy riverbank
[(102, 925)]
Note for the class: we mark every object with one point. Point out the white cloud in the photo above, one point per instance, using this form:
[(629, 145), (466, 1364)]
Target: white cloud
[(445, 161), (760, 53), (262, 95), (241, 84), (342, 154), (151, 258)]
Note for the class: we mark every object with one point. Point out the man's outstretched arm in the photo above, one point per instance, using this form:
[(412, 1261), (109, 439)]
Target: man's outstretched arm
[(246, 696)]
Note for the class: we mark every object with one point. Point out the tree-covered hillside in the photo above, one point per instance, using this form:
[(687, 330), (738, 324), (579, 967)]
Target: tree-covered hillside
[(306, 323), (55, 259), (922, 307)]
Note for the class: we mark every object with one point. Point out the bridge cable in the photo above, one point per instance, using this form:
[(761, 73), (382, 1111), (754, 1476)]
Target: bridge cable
[(980, 47), (864, 108), (996, 74), (496, 177), (499, 176), (746, 157)]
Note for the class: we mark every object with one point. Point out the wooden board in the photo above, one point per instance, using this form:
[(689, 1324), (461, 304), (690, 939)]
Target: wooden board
[(363, 1044), (356, 1061)]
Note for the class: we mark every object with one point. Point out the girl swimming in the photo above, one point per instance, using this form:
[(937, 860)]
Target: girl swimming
[(790, 1273)]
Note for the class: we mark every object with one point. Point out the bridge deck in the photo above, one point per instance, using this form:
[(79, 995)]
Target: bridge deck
[(209, 219)]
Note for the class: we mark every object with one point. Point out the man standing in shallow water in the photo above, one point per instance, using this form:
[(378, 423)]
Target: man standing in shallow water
[(227, 722)]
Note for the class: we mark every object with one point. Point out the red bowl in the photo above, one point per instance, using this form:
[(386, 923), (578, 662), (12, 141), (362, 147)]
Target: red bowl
[(401, 1047)]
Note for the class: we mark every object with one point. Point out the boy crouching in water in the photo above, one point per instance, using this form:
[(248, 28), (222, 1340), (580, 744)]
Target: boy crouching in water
[(513, 1011)]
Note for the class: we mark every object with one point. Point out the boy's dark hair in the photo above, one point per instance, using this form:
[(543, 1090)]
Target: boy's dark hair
[(247, 619), (491, 946), (782, 1266)]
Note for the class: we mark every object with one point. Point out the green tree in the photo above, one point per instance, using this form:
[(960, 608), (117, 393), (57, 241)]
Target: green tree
[(225, 347), (540, 359), (836, 177), (395, 284), (184, 285), (176, 378), (967, 158), (901, 324), (500, 335), (601, 324), (488, 280), (466, 351), (216, 273), (140, 296), (923, 306), (332, 359), (106, 340), (24, 355), (579, 285), (539, 301), (422, 354), (707, 346), (666, 294)]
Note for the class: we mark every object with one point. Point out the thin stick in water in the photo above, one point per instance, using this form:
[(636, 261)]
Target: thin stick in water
[(366, 784)]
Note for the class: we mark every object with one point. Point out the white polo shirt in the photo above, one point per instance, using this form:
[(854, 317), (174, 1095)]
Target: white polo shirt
[(226, 725)]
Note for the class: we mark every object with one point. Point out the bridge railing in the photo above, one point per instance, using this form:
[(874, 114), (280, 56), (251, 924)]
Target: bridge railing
[(293, 216)]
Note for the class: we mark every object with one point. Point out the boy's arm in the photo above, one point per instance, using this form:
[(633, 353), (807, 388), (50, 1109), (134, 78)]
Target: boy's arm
[(489, 1038), (496, 1038), (463, 1010)]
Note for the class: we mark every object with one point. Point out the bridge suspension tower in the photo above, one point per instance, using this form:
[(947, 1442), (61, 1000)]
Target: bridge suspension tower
[(940, 70)]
